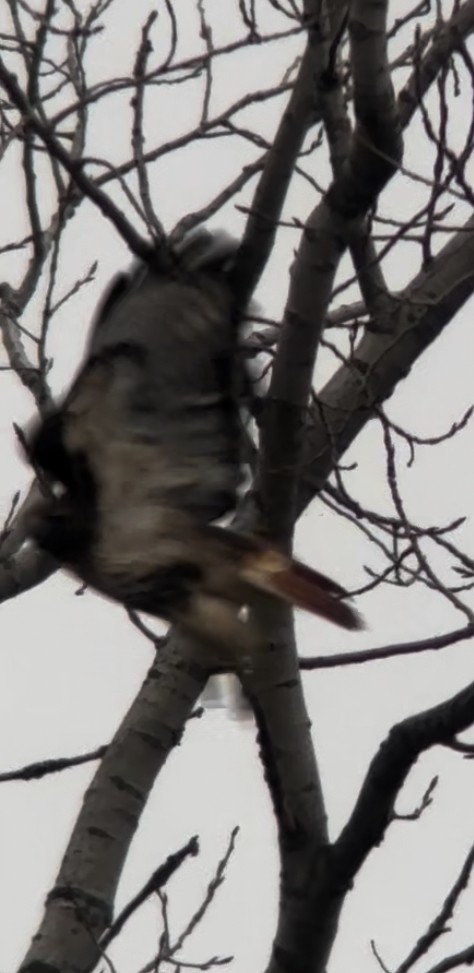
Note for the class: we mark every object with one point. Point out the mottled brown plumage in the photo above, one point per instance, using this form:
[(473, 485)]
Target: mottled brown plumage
[(147, 449)]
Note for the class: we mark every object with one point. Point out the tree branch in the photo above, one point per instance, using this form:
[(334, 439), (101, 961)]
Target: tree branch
[(389, 359), (388, 651), (269, 197), (274, 687), (68, 937), (75, 167), (157, 880), (387, 773), (438, 927)]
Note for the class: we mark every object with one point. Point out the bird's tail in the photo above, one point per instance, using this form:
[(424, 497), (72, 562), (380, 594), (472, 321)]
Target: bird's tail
[(269, 570)]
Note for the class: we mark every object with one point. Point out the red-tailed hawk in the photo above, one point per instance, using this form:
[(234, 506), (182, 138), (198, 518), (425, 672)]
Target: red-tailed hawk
[(146, 452)]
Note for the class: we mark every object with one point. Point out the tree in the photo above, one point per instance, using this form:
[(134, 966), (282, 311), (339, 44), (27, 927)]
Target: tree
[(324, 140)]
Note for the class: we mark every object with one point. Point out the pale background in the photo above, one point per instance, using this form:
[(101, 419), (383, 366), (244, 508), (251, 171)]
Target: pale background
[(70, 666)]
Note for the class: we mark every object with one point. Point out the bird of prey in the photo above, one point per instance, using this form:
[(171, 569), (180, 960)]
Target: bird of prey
[(144, 455)]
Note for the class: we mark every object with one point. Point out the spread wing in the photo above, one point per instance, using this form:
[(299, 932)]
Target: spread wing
[(161, 379), (147, 448)]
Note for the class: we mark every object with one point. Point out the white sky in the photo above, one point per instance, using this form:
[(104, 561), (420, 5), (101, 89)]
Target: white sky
[(69, 666)]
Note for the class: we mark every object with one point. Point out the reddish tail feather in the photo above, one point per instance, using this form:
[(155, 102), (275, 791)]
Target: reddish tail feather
[(269, 570)]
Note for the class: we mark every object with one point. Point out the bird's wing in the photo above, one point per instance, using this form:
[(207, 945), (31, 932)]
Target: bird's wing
[(161, 368)]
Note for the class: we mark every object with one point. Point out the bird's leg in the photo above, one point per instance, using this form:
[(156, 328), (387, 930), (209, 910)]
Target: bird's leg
[(216, 623)]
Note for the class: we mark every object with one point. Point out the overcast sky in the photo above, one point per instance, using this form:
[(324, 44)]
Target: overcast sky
[(70, 666)]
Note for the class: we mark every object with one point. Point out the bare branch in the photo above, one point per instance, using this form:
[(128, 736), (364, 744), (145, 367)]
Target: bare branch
[(154, 226), (426, 801), (388, 771), (388, 651), (353, 191), (443, 44), (157, 880), (439, 925), (43, 768), (279, 163), (464, 958), (349, 399), (137, 244), (211, 891), (130, 766)]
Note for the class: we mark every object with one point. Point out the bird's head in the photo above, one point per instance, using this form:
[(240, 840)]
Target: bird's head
[(60, 527)]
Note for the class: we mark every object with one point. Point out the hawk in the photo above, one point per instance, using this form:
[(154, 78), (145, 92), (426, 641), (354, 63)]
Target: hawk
[(144, 455)]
